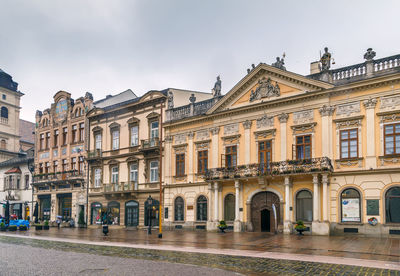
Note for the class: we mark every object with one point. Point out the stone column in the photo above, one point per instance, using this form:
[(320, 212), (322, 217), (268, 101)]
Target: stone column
[(216, 203), (249, 224), (237, 224), (247, 141), (325, 197), (214, 146), (283, 120), (190, 157), (168, 154), (370, 160), (210, 224), (287, 226), (316, 202), (54, 204), (326, 114)]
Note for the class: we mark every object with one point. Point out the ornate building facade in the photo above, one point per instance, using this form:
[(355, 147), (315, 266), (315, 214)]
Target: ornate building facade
[(60, 171), (124, 155), (281, 147)]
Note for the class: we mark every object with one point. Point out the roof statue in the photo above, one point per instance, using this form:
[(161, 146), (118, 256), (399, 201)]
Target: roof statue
[(370, 54), (170, 100), (325, 61), (280, 62), (216, 91)]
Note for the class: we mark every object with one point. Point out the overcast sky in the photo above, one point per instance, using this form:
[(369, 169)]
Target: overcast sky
[(106, 47)]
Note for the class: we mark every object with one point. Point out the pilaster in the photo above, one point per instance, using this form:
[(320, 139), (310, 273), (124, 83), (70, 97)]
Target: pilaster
[(214, 146), (370, 159), (247, 126), (283, 121), (190, 157), (287, 226)]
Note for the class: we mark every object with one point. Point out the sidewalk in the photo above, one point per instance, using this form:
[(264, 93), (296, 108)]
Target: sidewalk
[(346, 250)]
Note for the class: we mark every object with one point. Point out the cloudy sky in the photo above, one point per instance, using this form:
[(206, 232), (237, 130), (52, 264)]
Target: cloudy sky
[(106, 47)]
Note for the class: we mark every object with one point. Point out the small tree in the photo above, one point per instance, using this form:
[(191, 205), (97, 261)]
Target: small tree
[(81, 219)]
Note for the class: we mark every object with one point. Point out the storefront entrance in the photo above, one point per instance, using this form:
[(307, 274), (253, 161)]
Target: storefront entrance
[(132, 213), (265, 212), (65, 206), (45, 206)]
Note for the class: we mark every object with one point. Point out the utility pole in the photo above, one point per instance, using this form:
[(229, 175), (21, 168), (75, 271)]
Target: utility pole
[(160, 212)]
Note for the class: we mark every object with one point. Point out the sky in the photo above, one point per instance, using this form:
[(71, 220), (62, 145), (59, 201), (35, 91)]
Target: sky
[(106, 47)]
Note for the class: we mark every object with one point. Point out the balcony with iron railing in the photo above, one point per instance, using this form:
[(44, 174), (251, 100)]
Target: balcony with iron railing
[(289, 167), (121, 187), (58, 176), (93, 154), (150, 144)]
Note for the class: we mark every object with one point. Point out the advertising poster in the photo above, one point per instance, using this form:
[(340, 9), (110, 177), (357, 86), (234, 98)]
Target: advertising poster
[(351, 209)]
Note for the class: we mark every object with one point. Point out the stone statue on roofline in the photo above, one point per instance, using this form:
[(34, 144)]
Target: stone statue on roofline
[(370, 54), (216, 91), (170, 100), (325, 61), (280, 62)]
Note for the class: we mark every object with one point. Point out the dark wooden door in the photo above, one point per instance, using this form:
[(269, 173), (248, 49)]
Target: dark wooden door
[(261, 207)]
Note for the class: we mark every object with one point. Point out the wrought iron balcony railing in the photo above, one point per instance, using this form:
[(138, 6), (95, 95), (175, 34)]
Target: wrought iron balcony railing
[(95, 153), (306, 166), (58, 176), (150, 144), (121, 187)]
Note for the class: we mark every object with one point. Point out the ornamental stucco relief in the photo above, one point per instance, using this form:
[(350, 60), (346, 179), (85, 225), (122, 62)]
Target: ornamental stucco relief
[(303, 117), (390, 102), (348, 109), (265, 122), (231, 129)]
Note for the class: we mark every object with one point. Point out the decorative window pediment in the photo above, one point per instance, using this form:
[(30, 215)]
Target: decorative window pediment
[(349, 122), (152, 115), (115, 125), (133, 120), (263, 134), (97, 129), (310, 127)]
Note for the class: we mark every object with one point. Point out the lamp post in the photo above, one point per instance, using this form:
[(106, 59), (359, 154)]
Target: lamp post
[(31, 168), (149, 210)]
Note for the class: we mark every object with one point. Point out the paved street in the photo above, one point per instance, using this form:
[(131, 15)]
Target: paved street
[(75, 258), (27, 260)]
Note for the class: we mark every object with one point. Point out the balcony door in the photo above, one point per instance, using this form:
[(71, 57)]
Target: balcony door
[(231, 156), (303, 147), (264, 153)]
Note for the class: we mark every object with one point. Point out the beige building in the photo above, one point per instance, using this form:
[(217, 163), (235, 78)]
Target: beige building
[(281, 147), (60, 170), (124, 155), (9, 117)]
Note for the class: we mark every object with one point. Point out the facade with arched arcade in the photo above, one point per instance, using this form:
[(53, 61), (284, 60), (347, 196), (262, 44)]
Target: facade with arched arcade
[(281, 147)]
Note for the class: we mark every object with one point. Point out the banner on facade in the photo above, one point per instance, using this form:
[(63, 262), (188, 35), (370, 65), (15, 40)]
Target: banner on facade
[(351, 209)]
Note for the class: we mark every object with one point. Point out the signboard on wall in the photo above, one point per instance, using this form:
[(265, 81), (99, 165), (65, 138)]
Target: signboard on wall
[(351, 209), (372, 207)]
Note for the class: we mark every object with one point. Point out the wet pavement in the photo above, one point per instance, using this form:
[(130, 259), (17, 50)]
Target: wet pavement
[(350, 246)]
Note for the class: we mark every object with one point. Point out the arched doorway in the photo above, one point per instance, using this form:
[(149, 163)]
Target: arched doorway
[(263, 216), (132, 213)]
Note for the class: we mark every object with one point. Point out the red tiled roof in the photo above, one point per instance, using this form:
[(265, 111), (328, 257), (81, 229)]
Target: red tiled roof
[(13, 170)]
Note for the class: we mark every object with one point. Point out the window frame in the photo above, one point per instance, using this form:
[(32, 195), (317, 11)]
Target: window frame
[(131, 136), (114, 175), (202, 161), (265, 151), (297, 205), (180, 164), (348, 140), (197, 208), (386, 199), (153, 171), (303, 145), (55, 137), (232, 152), (394, 134), (115, 141), (96, 141), (97, 180), (182, 204), (359, 205)]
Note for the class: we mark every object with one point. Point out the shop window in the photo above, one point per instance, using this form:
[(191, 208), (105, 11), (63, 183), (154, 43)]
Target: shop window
[(179, 209), (392, 205), (351, 205), (304, 206), (392, 139), (113, 213), (96, 214), (202, 164), (229, 207), (65, 207), (151, 212), (201, 206)]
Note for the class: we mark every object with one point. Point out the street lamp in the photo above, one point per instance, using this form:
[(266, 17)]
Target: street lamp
[(149, 210)]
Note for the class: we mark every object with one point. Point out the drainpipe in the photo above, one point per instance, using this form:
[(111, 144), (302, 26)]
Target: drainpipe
[(87, 175)]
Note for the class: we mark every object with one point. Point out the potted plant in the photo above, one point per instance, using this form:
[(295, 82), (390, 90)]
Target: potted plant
[(3, 227), (46, 225), (81, 219), (300, 227), (222, 226), (23, 227), (38, 227), (12, 228)]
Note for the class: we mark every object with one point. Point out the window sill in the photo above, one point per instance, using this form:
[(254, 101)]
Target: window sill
[(351, 223)]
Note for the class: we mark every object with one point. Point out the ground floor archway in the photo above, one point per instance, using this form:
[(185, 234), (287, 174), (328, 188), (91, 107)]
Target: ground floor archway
[(265, 212)]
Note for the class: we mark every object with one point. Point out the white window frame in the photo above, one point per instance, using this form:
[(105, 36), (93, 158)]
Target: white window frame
[(97, 177), (153, 171), (134, 173), (134, 136), (114, 175), (154, 130), (115, 139), (98, 141)]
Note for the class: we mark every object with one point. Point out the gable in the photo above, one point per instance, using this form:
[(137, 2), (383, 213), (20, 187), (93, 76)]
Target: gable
[(267, 83)]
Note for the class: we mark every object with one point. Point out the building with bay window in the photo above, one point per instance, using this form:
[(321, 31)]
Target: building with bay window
[(280, 147), (124, 155), (60, 176)]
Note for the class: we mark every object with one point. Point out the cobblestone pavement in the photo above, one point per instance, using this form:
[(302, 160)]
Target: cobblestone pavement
[(26, 260), (83, 258), (349, 246)]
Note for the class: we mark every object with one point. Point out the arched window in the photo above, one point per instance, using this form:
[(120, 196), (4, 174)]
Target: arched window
[(77, 112), (304, 206), (351, 205), (3, 144), (392, 204), (4, 112), (229, 208), (201, 208), (179, 209), (132, 213), (113, 213), (96, 215), (151, 212)]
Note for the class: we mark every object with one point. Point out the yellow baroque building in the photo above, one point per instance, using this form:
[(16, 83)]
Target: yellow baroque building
[(281, 147)]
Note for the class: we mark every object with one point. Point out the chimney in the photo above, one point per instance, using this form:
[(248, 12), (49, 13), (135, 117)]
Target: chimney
[(314, 67)]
